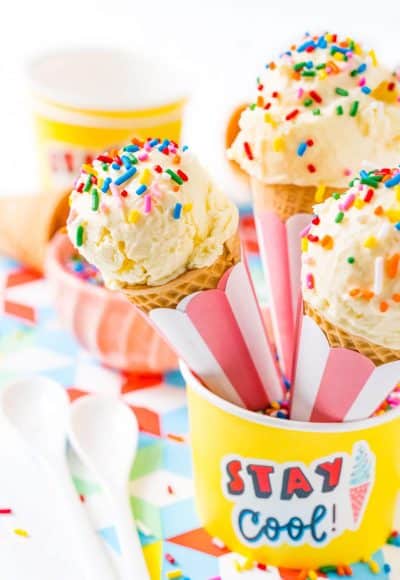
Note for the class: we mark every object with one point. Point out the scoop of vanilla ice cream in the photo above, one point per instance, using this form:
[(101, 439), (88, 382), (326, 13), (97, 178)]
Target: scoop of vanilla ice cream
[(351, 258), (148, 213), (322, 110)]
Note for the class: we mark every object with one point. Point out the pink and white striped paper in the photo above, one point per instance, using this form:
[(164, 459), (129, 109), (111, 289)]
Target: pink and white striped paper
[(280, 249), (336, 384), (221, 336)]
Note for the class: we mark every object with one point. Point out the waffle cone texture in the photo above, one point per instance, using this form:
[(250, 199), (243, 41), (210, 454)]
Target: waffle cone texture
[(170, 294), (286, 200), (337, 337)]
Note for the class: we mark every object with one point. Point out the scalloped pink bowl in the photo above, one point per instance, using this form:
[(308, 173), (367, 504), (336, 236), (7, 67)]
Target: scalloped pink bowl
[(102, 321)]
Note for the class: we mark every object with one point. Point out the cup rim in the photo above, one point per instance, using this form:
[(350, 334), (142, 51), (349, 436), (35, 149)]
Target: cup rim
[(282, 424), (48, 90)]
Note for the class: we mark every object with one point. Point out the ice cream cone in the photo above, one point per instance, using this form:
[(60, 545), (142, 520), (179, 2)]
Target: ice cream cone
[(337, 337), (287, 200), (27, 223), (357, 496), (170, 294)]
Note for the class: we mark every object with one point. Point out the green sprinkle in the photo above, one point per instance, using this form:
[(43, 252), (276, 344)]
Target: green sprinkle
[(352, 45), (316, 111), (327, 569), (339, 110), (252, 106), (308, 102), (105, 167), (351, 259), (79, 236), (370, 181), (354, 72), (95, 200), (339, 217), (88, 183), (174, 176), (298, 66), (353, 108), (336, 195), (320, 66), (341, 92), (308, 73), (258, 80)]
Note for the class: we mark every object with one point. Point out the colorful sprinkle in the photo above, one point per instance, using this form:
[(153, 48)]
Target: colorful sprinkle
[(95, 200), (125, 176), (79, 235), (354, 108), (177, 211), (174, 176), (248, 151)]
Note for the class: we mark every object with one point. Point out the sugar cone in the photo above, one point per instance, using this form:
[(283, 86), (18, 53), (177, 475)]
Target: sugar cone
[(337, 337), (27, 223), (170, 294), (286, 200), (358, 494)]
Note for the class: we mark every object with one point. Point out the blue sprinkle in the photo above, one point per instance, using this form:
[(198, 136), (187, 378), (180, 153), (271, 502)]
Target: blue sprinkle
[(163, 145), (154, 142), (131, 148), (386, 568), (366, 90), (322, 43), (394, 181), (281, 415), (125, 176), (287, 384), (78, 267), (335, 48), (116, 166), (106, 184), (362, 68), (309, 64), (363, 173), (305, 45), (177, 211), (301, 149), (185, 147), (126, 161), (397, 226), (141, 189)]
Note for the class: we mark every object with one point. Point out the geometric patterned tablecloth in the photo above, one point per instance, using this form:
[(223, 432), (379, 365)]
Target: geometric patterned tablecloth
[(32, 341)]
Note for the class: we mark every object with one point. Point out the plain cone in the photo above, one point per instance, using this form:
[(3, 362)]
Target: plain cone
[(170, 294), (337, 337), (286, 199), (27, 223)]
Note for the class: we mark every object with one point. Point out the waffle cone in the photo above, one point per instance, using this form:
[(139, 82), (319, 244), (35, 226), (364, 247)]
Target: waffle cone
[(286, 200), (27, 223), (337, 337), (170, 294)]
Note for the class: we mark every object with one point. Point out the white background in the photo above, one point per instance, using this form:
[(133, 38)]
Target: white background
[(214, 38)]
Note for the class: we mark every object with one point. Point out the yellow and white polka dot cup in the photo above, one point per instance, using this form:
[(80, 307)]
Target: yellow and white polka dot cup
[(86, 101)]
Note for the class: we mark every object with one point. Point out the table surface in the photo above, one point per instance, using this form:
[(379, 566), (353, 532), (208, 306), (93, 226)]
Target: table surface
[(161, 487)]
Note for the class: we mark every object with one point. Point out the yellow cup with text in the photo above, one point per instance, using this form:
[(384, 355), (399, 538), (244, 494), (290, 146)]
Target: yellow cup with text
[(86, 101), (293, 494)]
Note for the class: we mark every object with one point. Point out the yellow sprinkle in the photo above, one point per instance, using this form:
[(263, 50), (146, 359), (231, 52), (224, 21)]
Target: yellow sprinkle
[(145, 178), (22, 533), (359, 203), (372, 54), (187, 207), (278, 144), (89, 169), (269, 119), (275, 405), (338, 56), (320, 193), (304, 244), (397, 192), (134, 216), (370, 242), (393, 215), (312, 575), (248, 564), (70, 200), (373, 566), (329, 37), (322, 74), (357, 49), (174, 574), (100, 182)]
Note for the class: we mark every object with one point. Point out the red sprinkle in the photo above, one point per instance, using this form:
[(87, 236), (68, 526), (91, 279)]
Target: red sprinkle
[(275, 94), (292, 114), (182, 175), (170, 558), (369, 195), (248, 151), (312, 238), (124, 193), (316, 221), (267, 106), (391, 86), (170, 490), (310, 142), (80, 187), (260, 87), (105, 159), (158, 168), (311, 168), (262, 566), (5, 511), (118, 160), (314, 95), (310, 48)]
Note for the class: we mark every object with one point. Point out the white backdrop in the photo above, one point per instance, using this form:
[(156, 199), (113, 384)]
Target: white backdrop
[(212, 37)]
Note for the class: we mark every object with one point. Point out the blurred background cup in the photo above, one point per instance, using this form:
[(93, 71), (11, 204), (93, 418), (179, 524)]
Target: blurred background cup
[(89, 100)]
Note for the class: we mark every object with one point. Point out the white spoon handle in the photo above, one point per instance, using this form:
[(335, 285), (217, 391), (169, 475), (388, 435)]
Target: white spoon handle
[(86, 544), (133, 565)]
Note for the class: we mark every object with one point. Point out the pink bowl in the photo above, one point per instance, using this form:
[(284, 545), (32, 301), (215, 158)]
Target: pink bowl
[(104, 322)]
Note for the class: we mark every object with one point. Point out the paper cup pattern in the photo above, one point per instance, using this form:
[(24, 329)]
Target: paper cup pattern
[(292, 494), (101, 99)]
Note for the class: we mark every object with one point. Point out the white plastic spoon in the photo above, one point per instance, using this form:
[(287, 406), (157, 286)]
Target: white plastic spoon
[(104, 433), (38, 409)]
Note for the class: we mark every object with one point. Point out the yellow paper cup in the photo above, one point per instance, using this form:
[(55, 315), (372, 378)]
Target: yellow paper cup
[(292, 494), (88, 100)]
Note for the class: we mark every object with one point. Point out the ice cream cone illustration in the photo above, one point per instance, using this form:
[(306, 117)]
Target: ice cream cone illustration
[(361, 478)]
